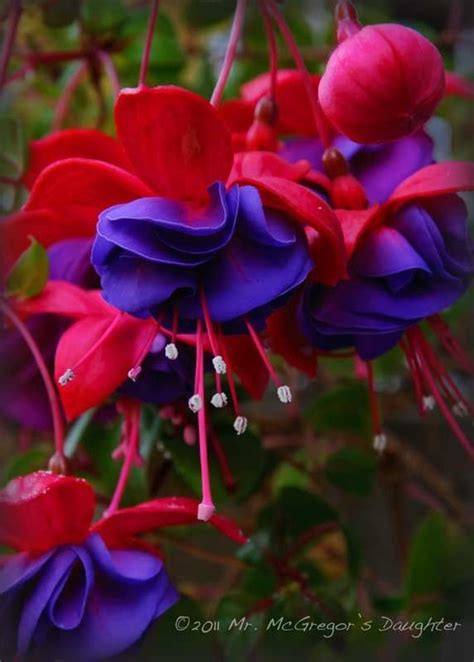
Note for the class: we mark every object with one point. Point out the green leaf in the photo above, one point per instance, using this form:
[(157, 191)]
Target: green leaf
[(76, 432), (352, 469), (344, 409), (245, 456), (30, 272), (427, 557), (104, 17)]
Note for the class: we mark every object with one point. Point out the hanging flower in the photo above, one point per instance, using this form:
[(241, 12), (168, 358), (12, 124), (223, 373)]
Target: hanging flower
[(76, 589)]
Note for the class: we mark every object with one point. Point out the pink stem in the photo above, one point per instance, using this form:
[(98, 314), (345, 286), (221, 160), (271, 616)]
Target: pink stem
[(65, 99), (272, 47), (132, 429), (48, 382), (320, 121), (206, 503), (111, 71), (13, 20), (148, 42), (229, 58)]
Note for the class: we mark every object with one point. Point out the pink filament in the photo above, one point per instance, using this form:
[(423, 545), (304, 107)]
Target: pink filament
[(450, 343), (212, 338), (9, 39), (374, 407), (227, 475), (261, 350), (413, 338), (131, 445), (230, 379), (230, 53)]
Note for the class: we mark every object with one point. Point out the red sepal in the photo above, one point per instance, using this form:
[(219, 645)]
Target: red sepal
[(308, 209), (436, 179), (237, 114), (354, 222), (266, 164), (42, 510), (100, 350), (286, 339), (150, 515), (65, 299), (84, 143), (457, 86), (247, 364), (175, 139), (79, 189)]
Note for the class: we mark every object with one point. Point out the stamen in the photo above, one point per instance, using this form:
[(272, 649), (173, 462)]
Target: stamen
[(460, 410), (219, 365), (149, 39), (66, 377), (380, 442), (195, 403), (284, 394), (230, 380), (283, 391), (206, 508), (219, 400), (171, 351), (429, 403), (134, 373), (415, 338), (450, 343), (240, 424)]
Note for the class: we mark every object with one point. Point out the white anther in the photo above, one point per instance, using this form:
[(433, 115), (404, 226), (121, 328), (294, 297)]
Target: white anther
[(460, 409), (284, 394), (429, 403), (134, 372), (240, 424), (171, 351), (380, 442), (219, 400), (219, 365), (66, 377), (195, 403)]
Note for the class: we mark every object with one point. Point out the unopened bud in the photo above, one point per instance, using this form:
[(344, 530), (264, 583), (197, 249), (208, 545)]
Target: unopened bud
[(334, 163)]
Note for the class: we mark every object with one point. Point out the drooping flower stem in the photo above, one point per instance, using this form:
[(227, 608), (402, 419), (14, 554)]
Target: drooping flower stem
[(62, 106), (111, 72), (320, 121), (272, 48), (132, 411), (229, 58), (149, 39), (58, 425), (9, 39)]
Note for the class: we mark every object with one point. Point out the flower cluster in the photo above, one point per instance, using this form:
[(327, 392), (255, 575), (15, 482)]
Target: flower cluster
[(307, 216)]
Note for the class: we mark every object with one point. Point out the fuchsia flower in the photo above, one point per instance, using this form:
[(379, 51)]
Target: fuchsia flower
[(382, 82), (80, 589)]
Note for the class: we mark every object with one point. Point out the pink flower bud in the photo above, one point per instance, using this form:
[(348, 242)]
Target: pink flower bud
[(382, 83)]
